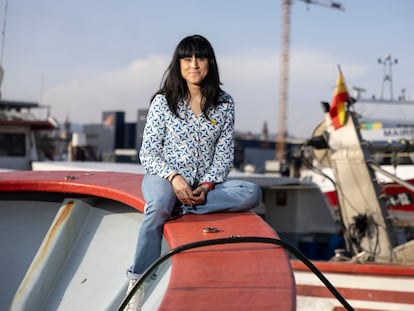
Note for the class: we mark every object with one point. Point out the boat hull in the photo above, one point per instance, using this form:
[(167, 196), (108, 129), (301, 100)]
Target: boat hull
[(364, 286)]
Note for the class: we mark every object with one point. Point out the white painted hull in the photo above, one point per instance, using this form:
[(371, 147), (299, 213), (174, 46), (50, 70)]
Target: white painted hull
[(365, 288), (57, 254)]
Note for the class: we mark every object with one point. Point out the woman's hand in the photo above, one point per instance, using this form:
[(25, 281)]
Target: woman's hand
[(200, 193), (183, 191)]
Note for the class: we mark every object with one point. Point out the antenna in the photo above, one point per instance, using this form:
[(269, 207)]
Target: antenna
[(387, 62)]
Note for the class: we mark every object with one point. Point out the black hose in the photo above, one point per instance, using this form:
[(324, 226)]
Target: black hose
[(231, 240)]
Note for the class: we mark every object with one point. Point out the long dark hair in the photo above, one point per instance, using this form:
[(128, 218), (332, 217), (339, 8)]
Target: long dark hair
[(174, 87)]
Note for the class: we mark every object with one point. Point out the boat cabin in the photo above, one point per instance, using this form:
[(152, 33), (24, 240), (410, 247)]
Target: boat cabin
[(18, 128)]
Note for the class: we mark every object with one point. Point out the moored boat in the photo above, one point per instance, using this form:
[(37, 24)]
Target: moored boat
[(375, 270), (19, 134), (68, 237), (389, 142)]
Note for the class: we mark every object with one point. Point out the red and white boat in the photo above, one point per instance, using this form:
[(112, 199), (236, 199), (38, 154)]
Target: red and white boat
[(376, 269), (389, 140), (68, 237), (400, 199)]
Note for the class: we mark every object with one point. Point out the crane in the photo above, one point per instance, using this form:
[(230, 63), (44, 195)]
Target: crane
[(284, 72)]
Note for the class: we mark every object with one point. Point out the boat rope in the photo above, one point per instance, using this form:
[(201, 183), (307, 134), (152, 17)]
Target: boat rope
[(236, 239)]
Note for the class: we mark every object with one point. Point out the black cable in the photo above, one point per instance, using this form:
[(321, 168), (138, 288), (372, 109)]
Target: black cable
[(231, 240)]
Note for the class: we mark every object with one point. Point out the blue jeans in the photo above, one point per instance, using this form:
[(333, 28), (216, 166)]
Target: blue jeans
[(229, 196)]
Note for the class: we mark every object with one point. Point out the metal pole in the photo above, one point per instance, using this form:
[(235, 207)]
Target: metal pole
[(284, 73), (283, 86)]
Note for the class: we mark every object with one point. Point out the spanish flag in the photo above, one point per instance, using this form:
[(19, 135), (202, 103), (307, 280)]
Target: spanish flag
[(337, 110)]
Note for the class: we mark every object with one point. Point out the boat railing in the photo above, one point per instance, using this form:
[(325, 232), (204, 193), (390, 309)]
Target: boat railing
[(394, 178), (406, 146)]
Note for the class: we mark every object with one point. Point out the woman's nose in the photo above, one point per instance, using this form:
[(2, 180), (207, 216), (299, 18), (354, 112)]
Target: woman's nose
[(194, 62)]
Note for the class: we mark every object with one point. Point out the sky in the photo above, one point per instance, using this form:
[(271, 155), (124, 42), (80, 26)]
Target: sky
[(83, 57)]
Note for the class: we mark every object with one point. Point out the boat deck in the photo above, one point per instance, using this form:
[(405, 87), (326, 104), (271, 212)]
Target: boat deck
[(245, 276), (121, 187)]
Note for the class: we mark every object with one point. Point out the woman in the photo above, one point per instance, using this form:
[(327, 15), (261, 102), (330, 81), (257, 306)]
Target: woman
[(187, 149)]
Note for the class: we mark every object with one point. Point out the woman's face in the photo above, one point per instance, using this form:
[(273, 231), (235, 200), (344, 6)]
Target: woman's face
[(194, 70)]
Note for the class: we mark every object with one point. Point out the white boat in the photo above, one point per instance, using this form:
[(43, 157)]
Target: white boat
[(19, 133), (375, 271), (389, 142)]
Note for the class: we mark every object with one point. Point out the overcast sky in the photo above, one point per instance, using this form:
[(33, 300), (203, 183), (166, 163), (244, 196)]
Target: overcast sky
[(83, 57)]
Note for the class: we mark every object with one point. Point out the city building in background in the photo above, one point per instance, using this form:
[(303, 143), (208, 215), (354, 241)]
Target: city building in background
[(115, 140)]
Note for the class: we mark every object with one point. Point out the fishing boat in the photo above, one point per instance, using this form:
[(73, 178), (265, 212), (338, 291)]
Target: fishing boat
[(375, 270), (68, 237), (388, 141)]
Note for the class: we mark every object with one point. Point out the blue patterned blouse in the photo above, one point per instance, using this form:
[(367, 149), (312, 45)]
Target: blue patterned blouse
[(197, 148)]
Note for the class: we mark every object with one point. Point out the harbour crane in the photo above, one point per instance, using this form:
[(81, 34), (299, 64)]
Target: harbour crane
[(284, 73)]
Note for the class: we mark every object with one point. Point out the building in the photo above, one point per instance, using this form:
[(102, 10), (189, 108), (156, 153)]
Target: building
[(115, 140)]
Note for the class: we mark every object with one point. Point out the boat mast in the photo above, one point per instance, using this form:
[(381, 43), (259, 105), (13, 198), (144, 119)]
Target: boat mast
[(283, 83), (3, 38), (284, 72)]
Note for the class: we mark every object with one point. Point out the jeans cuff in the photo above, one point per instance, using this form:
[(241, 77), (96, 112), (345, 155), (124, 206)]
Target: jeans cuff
[(132, 276)]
